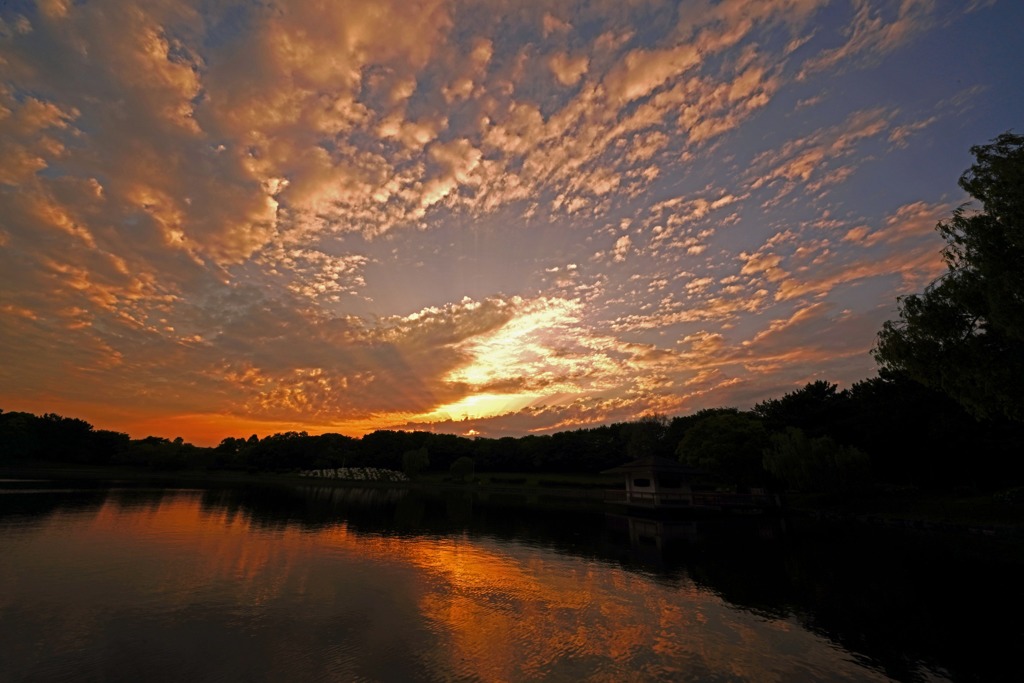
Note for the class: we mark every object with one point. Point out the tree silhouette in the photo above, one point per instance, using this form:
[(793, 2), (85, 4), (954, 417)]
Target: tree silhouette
[(415, 461), (965, 333), (462, 469), (727, 443), (814, 463), (645, 436), (815, 409)]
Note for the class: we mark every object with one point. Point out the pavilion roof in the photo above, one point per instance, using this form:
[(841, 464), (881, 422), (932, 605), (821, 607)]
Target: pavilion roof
[(654, 464)]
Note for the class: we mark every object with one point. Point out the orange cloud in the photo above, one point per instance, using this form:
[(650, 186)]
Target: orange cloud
[(870, 36), (568, 70)]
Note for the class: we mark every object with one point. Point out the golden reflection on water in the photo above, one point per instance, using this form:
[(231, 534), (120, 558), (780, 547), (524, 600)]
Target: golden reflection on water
[(476, 607)]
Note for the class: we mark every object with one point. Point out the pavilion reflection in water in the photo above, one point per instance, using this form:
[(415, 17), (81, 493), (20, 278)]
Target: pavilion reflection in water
[(659, 484), (654, 541)]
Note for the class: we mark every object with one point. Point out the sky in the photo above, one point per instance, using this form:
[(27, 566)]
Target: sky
[(483, 217)]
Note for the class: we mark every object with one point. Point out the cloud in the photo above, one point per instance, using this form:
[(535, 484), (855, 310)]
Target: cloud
[(910, 221), (811, 160), (642, 71), (621, 249), (27, 141), (905, 245), (765, 263), (553, 24), (568, 70), (871, 36), (898, 135)]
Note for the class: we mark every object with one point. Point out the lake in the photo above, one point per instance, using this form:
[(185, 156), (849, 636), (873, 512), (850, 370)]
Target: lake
[(340, 584)]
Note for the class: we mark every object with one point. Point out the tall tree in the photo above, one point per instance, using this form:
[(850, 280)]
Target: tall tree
[(415, 461), (728, 444), (815, 463), (817, 409), (965, 333), (645, 436)]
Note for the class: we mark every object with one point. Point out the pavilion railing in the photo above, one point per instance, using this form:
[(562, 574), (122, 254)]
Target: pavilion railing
[(701, 499)]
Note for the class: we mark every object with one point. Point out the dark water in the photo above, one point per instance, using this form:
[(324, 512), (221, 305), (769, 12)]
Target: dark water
[(346, 584)]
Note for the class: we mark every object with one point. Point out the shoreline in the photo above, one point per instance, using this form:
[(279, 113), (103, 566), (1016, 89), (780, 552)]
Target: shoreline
[(945, 513)]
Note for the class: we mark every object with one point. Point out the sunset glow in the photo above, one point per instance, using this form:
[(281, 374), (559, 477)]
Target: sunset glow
[(487, 218)]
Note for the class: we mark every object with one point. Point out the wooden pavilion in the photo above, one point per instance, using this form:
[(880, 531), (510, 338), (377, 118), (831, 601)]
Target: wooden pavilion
[(656, 482), (661, 485)]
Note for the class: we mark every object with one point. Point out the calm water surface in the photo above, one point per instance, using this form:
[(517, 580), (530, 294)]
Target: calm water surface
[(346, 584)]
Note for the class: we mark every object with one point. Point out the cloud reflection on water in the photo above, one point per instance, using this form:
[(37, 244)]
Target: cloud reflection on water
[(202, 589)]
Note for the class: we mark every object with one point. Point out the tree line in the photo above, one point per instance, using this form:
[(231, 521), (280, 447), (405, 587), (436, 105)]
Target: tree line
[(887, 429)]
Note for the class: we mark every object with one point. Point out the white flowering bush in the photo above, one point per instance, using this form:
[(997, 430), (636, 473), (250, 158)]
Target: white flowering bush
[(356, 474)]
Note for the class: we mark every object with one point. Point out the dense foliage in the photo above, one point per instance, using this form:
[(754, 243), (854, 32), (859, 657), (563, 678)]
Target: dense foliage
[(728, 444), (964, 334), (815, 463)]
